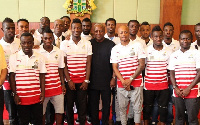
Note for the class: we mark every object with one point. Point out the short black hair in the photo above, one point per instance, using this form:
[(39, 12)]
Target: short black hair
[(25, 20), (145, 23), (76, 20), (186, 31), (156, 28), (7, 20), (110, 19), (168, 24), (86, 20), (46, 18), (27, 34), (133, 21), (198, 24), (66, 17), (47, 30)]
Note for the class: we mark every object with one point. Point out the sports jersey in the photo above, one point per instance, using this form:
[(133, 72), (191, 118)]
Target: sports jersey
[(76, 55), (156, 68), (67, 33), (87, 37), (27, 72), (38, 37), (9, 48), (116, 40), (144, 43), (194, 45), (185, 66), (127, 58), (174, 45), (53, 61)]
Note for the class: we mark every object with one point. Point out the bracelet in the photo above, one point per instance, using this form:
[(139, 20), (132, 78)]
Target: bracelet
[(87, 81), (69, 80), (114, 77)]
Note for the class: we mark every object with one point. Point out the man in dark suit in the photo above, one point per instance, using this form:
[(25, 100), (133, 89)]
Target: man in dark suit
[(58, 29)]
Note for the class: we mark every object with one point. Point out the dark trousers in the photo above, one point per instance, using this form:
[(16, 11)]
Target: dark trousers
[(81, 97), (30, 113), (1, 106), (11, 107), (192, 107), (50, 114), (94, 102), (162, 97)]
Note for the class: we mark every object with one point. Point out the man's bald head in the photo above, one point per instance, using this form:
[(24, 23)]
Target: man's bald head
[(123, 33), (123, 27)]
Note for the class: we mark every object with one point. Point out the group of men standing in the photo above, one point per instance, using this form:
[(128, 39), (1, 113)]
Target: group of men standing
[(74, 66)]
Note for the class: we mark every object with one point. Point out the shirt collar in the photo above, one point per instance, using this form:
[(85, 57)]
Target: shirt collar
[(83, 35), (172, 43), (3, 42), (55, 37), (23, 54), (72, 42), (153, 49), (42, 50)]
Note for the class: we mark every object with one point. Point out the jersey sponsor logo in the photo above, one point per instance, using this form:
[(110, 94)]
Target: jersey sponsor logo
[(56, 57), (35, 66)]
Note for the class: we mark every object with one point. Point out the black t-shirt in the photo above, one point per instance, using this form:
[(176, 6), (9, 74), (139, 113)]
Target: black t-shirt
[(101, 68)]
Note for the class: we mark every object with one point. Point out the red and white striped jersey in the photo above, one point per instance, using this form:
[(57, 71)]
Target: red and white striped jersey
[(27, 72), (53, 61), (127, 58), (156, 68), (185, 66), (9, 48), (76, 58)]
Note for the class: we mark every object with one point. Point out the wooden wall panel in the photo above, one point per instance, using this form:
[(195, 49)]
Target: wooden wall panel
[(170, 11)]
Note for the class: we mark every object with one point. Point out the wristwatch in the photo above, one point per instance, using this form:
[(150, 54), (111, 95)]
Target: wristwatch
[(13, 94), (69, 80), (131, 78), (174, 86), (87, 81)]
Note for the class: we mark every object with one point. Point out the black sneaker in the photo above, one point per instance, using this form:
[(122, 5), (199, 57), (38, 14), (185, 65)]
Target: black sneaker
[(118, 123), (77, 121), (130, 121), (89, 120), (65, 121)]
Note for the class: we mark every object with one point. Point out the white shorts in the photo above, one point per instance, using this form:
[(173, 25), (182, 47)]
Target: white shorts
[(57, 101)]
